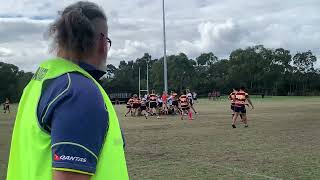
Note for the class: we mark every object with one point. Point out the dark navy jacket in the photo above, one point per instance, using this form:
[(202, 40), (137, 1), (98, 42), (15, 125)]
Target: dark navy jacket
[(72, 110)]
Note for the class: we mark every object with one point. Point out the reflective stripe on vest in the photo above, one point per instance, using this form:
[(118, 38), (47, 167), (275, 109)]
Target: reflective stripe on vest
[(30, 153)]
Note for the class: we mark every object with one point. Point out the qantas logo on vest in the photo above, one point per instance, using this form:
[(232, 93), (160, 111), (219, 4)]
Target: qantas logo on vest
[(56, 157), (69, 158)]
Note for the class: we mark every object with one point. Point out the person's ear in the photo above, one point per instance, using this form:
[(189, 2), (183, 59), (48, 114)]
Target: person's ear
[(102, 48)]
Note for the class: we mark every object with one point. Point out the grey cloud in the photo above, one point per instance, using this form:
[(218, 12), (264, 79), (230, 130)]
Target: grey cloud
[(193, 27), (4, 52), (19, 29), (219, 38)]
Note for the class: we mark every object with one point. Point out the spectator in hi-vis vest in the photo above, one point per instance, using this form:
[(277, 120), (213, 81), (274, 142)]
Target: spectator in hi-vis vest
[(66, 127)]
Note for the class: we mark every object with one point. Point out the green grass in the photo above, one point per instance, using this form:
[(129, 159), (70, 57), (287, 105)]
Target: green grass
[(6, 126), (282, 142)]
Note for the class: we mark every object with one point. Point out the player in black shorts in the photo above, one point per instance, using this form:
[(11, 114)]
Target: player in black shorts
[(129, 106), (185, 106), (143, 108), (6, 106), (153, 103), (195, 96), (232, 98), (240, 106), (147, 98), (135, 104), (190, 98), (160, 103)]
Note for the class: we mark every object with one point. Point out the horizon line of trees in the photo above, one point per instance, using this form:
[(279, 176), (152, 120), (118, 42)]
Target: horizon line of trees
[(261, 70)]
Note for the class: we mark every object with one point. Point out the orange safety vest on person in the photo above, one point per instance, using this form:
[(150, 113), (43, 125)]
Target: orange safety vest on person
[(153, 98), (184, 101), (241, 98)]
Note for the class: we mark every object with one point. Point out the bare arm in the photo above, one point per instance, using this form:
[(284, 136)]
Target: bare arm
[(64, 175), (250, 102)]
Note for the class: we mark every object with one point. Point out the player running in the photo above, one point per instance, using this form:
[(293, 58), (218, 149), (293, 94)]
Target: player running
[(129, 106), (232, 98), (135, 104), (185, 106), (190, 98), (240, 101)]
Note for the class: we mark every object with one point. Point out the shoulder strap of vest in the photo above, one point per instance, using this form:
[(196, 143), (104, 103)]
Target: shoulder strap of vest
[(50, 69)]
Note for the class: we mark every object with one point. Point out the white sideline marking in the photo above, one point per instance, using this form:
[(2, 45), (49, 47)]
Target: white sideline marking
[(249, 173)]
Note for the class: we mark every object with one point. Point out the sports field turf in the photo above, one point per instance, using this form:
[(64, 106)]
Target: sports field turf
[(282, 142)]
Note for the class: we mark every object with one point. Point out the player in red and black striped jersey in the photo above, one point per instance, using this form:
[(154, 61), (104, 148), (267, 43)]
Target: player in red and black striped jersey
[(135, 104), (232, 98), (153, 103), (175, 101), (241, 97), (129, 106), (144, 108), (185, 106)]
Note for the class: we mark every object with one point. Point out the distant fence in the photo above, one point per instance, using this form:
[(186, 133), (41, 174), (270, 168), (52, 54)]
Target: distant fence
[(119, 97)]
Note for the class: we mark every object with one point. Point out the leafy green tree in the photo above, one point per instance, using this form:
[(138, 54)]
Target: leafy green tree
[(12, 81), (304, 61), (260, 69)]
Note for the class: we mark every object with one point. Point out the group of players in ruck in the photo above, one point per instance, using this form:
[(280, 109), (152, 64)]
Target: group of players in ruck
[(166, 104), (157, 105)]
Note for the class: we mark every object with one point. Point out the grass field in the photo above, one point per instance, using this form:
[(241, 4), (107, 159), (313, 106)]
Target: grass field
[(282, 142)]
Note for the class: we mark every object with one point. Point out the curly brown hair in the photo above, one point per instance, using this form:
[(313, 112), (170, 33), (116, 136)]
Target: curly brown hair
[(74, 31)]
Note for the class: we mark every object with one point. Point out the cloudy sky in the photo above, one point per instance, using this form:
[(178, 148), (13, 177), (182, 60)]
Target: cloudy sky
[(193, 27)]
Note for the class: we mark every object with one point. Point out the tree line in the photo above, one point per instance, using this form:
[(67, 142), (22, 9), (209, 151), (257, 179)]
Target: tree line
[(12, 81), (261, 70)]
